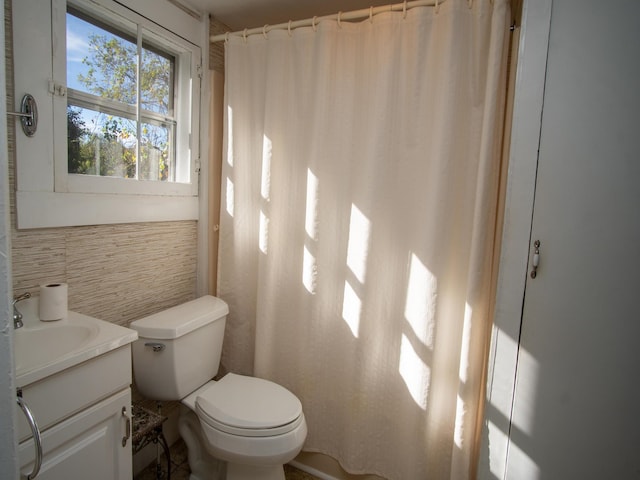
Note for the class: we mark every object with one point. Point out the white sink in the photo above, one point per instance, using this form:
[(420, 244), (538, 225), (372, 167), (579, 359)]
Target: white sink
[(38, 346), (44, 348)]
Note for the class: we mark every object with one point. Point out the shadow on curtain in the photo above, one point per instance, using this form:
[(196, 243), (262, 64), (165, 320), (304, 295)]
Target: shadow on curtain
[(359, 192)]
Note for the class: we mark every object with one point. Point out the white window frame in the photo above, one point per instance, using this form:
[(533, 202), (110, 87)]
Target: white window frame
[(47, 195)]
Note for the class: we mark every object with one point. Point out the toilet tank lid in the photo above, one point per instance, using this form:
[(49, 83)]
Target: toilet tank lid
[(181, 319)]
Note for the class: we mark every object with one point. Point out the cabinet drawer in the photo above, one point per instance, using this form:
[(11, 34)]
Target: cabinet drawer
[(59, 396)]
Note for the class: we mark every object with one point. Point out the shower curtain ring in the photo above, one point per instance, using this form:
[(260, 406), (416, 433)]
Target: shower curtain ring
[(404, 9), (314, 25), (339, 19), (244, 35), (437, 6), (264, 30), (289, 28), (226, 37), (470, 3), (371, 14)]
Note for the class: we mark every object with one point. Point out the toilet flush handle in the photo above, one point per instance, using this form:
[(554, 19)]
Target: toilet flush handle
[(157, 347)]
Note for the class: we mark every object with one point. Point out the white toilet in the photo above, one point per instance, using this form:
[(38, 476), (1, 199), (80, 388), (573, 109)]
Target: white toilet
[(237, 428)]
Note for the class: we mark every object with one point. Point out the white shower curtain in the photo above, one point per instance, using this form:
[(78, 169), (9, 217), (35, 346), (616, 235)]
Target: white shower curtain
[(359, 194)]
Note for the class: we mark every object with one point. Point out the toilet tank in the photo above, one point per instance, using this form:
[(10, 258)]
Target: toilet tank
[(178, 350)]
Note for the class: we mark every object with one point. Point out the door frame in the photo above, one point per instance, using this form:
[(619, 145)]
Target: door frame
[(514, 253), (8, 441)]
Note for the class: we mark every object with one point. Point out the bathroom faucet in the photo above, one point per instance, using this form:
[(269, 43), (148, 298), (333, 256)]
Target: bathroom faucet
[(17, 316)]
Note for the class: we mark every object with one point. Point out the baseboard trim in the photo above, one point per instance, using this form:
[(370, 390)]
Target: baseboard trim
[(312, 471)]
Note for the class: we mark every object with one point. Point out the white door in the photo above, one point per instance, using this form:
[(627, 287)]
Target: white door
[(577, 401)]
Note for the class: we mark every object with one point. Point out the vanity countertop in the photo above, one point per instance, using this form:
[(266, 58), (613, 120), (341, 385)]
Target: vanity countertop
[(42, 348)]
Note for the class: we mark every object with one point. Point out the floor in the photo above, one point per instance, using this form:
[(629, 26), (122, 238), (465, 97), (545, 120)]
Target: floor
[(180, 467)]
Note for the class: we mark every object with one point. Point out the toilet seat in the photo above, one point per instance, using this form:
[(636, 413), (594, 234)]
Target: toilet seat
[(248, 406)]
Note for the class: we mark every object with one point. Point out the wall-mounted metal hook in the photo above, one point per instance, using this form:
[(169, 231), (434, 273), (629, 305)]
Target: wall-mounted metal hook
[(28, 115)]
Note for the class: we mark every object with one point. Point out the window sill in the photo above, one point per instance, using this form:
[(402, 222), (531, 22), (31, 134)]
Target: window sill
[(48, 209)]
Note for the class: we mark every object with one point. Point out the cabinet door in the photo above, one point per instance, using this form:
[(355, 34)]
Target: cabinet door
[(86, 445), (575, 412)]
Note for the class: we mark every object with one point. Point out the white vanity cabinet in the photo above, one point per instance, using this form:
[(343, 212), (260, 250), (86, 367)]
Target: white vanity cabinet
[(84, 415)]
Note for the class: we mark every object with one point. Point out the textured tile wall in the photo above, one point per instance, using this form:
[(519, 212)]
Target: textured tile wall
[(116, 273), (216, 50)]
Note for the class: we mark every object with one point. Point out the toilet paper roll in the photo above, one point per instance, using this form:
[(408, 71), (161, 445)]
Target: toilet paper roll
[(53, 301)]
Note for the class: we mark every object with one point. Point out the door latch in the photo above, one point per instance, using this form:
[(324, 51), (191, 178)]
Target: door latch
[(535, 261)]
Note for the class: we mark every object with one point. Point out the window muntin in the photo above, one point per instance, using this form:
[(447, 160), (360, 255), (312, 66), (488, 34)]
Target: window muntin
[(121, 107)]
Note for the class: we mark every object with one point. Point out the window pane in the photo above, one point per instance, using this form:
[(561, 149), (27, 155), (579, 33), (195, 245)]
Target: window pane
[(104, 107), (156, 81), (156, 153), (100, 61), (100, 144)]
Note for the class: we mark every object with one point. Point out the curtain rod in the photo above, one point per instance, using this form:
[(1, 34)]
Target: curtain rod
[(309, 22)]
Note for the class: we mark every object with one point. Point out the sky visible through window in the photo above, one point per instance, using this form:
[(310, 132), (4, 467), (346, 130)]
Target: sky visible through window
[(78, 32)]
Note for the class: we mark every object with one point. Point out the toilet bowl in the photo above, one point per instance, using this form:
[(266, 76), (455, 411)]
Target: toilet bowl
[(236, 428)]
